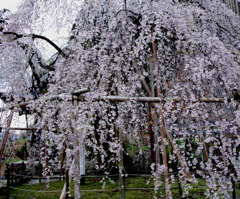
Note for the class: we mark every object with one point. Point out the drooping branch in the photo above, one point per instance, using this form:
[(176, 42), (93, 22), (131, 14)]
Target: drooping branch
[(34, 36)]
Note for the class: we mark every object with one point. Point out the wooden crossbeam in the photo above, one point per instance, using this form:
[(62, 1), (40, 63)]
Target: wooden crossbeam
[(67, 97), (22, 129)]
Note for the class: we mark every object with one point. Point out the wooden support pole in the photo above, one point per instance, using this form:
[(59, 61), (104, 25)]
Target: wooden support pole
[(165, 161), (40, 172), (22, 129), (151, 133), (76, 168), (46, 154), (15, 106), (62, 161), (177, 153), (237, 7), (126, 99), (12, 174), (202, 140), (233, 183), (6, 135), (125, 6), (8, 181), (23, 167), (63, 194), (151, 77), (76, 155), (234, 189), (204, 148), (121, 168), (80, 91), (180, 187), (64, 191), (67, 184)]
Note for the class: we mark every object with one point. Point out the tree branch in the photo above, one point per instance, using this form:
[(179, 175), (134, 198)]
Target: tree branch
[(18, 36)]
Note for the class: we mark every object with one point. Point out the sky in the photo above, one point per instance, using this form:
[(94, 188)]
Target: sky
[(52, 33), (10, 4)]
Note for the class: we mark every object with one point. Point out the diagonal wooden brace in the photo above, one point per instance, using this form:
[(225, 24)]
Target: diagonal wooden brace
[(170, 139), (6, 134)]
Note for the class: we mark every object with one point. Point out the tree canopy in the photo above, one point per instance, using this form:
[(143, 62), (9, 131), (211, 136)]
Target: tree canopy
[(178, 51)]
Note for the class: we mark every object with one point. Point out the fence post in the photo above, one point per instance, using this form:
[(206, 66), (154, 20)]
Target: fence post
[(180, 188), (67, 184), (233, 183), (22, 172), (12, 168), (8, 182), (62, 163), (40, 172)]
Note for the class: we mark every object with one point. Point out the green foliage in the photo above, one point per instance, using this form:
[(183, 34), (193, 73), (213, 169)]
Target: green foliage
[(10, 160), (133, 149), (22, 152)]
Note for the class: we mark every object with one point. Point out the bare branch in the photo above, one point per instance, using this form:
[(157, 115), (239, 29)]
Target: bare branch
[(18, 36)]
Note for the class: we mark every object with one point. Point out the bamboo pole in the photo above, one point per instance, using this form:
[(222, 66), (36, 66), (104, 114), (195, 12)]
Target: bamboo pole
[(121, 167), (76, 168), (46, 149), (22, 129), (6, 134), (80, 91), (76, 155), (63, 194), (125, 99), (162, 129)]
